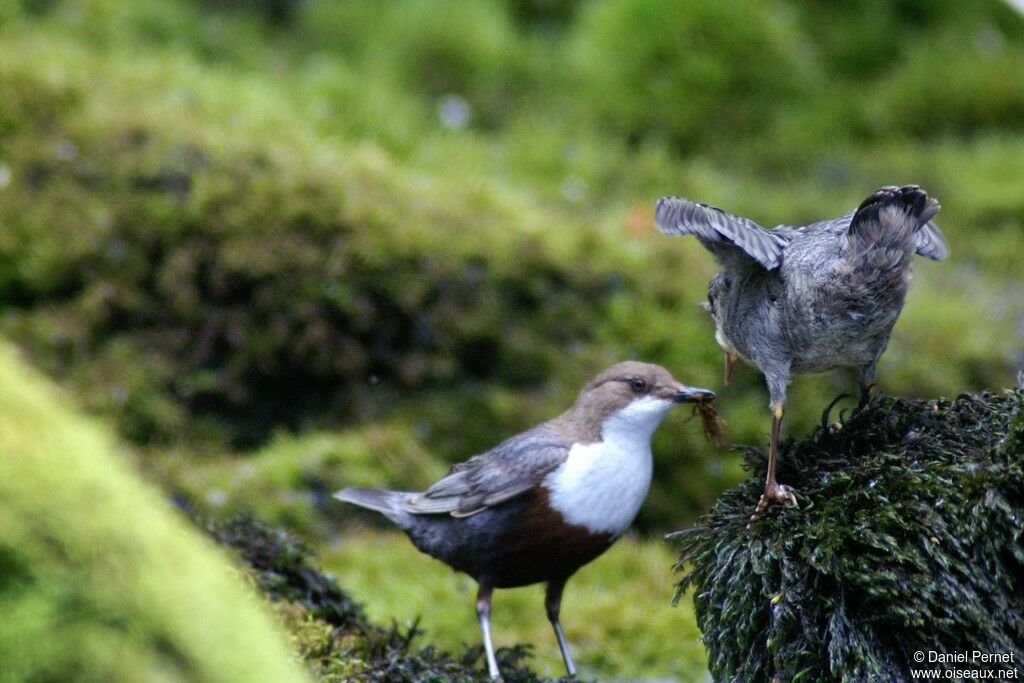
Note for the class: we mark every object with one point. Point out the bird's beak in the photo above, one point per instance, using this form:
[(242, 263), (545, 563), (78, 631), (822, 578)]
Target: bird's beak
[(692, 395)]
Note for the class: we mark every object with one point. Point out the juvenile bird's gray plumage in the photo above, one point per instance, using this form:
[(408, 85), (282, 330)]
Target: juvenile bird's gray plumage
[(540, 505), (809, 299)]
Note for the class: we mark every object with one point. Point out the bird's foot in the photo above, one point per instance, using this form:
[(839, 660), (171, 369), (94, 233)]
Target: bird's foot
[(774, 493), (867, 395)]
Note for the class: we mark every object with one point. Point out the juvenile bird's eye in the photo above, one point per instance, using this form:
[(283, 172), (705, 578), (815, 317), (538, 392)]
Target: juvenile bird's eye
[(637, 384)]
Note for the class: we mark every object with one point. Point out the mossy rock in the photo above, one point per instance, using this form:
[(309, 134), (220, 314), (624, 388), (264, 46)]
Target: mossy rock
[(220, 291), (100, 579), (209, 287), (908, 539), (331, 631), (213, 229)]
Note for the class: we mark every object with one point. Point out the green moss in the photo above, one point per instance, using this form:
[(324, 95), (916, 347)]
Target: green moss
[(289, 481), (99, 579), (246, 235), (332, 634), (616, 611), (861, 40), (265, 293), (218, 228), (703, 70), (908, 539), (975, 94)]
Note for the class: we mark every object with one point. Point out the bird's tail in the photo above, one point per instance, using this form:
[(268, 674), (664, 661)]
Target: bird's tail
[(388, 503), (890, 219)]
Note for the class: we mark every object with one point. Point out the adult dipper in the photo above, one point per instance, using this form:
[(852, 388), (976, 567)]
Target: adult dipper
[(809, 299), (540, 505)]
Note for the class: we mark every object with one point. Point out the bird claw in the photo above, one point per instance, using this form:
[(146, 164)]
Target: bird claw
[(785, 494), (778, 493)]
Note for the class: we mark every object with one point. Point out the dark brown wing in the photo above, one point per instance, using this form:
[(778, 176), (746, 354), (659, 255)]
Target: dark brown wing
[(510, 469), (735, 241)]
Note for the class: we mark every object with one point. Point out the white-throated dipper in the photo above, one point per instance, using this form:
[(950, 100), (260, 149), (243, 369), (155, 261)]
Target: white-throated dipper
[(809, 299), (540, 505)]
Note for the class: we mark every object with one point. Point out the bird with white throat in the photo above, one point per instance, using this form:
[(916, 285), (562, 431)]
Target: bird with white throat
[(543, 503)]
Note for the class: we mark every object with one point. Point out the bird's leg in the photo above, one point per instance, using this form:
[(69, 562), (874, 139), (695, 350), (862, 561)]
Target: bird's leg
[(730, 363), (553, 604), (483, 611), (867, 385), (774, 492)]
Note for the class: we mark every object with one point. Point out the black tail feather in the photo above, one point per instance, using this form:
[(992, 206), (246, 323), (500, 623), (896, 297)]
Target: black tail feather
[(913, 203)]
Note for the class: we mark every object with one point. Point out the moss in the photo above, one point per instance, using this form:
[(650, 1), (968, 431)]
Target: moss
[(99, 579), (976, 96), (215, 229), (277, 11), (289, 481), (908, 539), (693, 57), (861, 40), (616, 611), (332, 633), (241, 327)]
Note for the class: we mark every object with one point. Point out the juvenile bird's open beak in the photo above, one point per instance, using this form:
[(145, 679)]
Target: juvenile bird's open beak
[(692, 395)]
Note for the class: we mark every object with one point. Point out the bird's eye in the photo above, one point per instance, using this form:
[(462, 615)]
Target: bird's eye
[(637, 384)]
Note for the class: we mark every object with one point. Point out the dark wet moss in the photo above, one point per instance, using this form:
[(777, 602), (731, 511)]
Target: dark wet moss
[(908, 539), (331, 632)]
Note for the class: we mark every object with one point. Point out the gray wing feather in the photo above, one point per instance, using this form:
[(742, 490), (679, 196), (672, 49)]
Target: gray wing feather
[(502, 473), (931, 243), (725, 235)]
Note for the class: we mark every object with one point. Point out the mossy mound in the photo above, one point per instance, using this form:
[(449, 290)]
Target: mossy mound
[(670, 83), (208, 291), (215, 228), (100, 580), (908, 539), (616, 610), (222, 289), (332, 633)]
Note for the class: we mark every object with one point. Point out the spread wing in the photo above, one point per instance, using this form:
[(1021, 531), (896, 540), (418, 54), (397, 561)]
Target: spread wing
[(508, 470), (735, 241)]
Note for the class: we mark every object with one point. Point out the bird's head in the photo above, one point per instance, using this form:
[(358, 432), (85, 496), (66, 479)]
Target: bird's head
[(637, 395)]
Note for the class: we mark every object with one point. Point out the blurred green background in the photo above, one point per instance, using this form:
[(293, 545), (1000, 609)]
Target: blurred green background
[(289, 245)]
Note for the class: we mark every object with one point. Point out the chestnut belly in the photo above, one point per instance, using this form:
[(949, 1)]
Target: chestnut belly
[(541, 546), (518, 543)]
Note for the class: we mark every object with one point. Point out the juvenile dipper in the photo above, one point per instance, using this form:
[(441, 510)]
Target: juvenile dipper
[(812, 298), (540, 505)]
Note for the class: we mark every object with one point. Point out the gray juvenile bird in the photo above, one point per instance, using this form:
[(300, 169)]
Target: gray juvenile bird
[(540, 505), (809, 299)]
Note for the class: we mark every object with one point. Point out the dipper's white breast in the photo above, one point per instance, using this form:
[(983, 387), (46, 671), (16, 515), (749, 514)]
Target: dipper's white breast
[(602, 485)]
